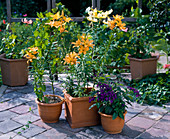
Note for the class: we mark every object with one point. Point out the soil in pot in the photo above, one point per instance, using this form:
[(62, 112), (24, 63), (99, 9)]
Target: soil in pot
[(50, 112), (112, 126)]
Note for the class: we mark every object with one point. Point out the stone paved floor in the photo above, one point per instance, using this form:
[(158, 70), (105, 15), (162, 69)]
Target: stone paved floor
[(141, 122)]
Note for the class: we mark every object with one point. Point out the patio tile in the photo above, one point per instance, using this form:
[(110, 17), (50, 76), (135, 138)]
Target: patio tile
[(12, 103), (163, 124), (151, 114), (5, 115), (98, 128), (166, 116), (32, 104), (19, 87), (30, 96), (3, 89), (137, 106), (8, 135), (116, 136), (12, 94), (92, 133), (8, 125), (154, 133), (63, 124), (12, 135), (131, 131), (35, 112), (23, 119), (31, 131), (40, 123), (26, 90), (78, 136), (158, 109), (56, 133), (62, 116), (141, 122), (21, 109)]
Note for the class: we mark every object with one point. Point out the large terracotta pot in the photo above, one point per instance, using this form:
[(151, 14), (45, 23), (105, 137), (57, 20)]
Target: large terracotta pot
[(142, 67), (112, 126), (77, 112), (14, 71), (50, 113)]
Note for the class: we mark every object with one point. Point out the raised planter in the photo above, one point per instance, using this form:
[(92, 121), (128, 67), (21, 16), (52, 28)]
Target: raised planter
[(50, 113), (112, 126), (77, 112), (142, 67), (14, 71)]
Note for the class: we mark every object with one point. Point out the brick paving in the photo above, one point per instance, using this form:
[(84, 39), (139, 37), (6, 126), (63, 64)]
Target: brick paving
[(141, 121)]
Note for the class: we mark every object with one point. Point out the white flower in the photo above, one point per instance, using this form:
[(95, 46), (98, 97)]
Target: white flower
[(87, 10)]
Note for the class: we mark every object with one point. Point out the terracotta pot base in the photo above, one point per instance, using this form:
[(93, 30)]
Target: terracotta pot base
[(112, 126), (50, 113), (14, 71), (78, 114), (142, 67)]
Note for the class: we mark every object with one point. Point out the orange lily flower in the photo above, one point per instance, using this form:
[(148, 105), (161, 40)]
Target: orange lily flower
[(71, 58)]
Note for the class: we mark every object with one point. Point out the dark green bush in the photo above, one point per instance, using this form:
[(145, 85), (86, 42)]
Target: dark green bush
[(154, 89)]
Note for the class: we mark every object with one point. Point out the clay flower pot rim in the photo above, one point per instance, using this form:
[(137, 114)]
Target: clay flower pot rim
[(2, 57), (53, 104), (75, 98), (110, 116), (141, 60)]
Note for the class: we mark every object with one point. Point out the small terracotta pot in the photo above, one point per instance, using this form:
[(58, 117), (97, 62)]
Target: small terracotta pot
[(14, 71), (142, 67), (50, 113), (112, 126), (77, 112)]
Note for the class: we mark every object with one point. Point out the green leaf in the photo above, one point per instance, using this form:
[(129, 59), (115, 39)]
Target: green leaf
[(29, 108), (98, 105), (108, 109), (114, 116), (101, 109), (121, 115), (27, 126), (36, 33)]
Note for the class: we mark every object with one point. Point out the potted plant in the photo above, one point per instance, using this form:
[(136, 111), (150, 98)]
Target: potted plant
[(109, 37), (45, 56), (80, 70), (142, 61), (13, 64), (111, 101)]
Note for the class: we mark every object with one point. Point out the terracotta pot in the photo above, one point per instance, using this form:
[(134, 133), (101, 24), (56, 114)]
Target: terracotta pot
[(50, 113), (142, 67), (77, 112), (14, 71), (112, 126)]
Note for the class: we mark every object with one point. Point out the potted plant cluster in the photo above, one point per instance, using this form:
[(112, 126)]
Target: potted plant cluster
[(111, 101), (89, 59), (13, 64), (142, 60)]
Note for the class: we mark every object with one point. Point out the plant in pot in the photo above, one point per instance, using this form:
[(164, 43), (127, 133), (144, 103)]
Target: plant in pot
[(44, 55), (112, 100), (109, 37), (77, 87), (13, 64), (142, 60)]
